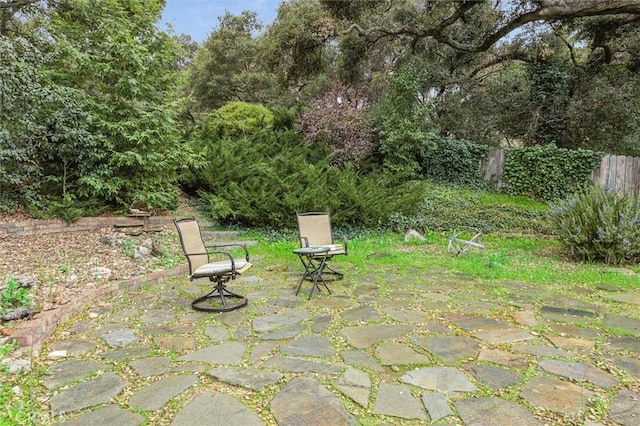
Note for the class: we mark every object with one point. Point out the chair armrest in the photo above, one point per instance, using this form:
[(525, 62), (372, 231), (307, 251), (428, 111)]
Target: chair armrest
[(304, 242), (208, 253), (231, 259), (214, 245)]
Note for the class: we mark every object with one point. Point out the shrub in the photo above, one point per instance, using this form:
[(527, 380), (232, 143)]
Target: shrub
[(338, 117), (599, 225), (237, 119), (455, 161), (264, 179)]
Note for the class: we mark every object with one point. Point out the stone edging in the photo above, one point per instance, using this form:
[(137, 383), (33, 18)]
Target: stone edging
[(37, 330), (37, 227)]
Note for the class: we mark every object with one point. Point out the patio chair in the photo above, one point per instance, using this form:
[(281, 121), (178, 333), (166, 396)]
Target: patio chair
[(462, 240), (314, 230), (209, 261)]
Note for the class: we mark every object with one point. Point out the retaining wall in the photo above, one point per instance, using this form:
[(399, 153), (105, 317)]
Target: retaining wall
[(36, 227)]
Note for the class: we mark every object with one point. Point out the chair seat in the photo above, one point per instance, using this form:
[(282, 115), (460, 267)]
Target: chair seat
[(335, 249), (216, 268)]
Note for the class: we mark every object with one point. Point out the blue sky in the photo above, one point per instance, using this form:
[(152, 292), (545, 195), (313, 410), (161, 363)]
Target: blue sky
[(198, 17)]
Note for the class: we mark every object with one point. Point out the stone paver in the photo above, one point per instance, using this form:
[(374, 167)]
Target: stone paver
[(556, 395), (430, 350), (305, 401), (212, 408), (151, 366), (271, 322), (447, 380), (449, 348), (392, 353), (72, 370), (397, 401), (313, 345), (108, 415), (355, 384), (296, 365), (224, 353), (578, 371), (156, 394), (437, 406), (625, 409), (120, 338), (74, 346), (250, 378), (494, 411), (631, 325), (495, 377), (365, 336), (99, 390)]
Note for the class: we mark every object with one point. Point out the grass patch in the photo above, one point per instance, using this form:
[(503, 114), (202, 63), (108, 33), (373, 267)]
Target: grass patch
[(530, 259)]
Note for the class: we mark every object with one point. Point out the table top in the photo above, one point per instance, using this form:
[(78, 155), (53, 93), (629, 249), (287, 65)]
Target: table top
[(311, 250)]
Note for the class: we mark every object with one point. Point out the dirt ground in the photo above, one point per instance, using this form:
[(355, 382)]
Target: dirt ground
[(63, 265)]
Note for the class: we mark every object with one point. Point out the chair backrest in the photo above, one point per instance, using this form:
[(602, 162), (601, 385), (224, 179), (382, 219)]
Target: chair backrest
[(192, 244), (315, 228)]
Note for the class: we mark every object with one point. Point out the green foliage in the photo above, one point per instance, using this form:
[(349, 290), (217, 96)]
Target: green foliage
[(68, 209), (599, 225), (456, 162), (283, 118), (547, 172), (86, 108), (405, 135), (294, 46), (128, 92), (227, 67), (445, 207), (44, 138), (262, 180), (14, 296), (550, 94), (504, 99), (237, 119), (605, 114)]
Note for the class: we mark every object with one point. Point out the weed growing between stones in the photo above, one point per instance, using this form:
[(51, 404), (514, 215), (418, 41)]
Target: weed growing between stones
[(14, 296)]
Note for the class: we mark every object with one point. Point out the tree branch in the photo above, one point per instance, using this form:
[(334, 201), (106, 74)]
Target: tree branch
[(511, 56), (8, 8), (546, 10), (15, 4)]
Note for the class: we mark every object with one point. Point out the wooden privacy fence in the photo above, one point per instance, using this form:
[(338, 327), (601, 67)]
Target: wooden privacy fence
[(617, 172)]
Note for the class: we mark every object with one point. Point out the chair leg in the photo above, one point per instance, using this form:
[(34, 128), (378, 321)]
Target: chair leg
[(330, 270), (216, 300)]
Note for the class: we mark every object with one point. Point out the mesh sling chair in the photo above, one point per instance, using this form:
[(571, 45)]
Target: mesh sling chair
[(217, 265), (314, 230)]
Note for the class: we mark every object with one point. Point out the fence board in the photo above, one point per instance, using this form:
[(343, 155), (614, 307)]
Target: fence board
[(629, 184), (636, 173), (620, 171), (604, 173)]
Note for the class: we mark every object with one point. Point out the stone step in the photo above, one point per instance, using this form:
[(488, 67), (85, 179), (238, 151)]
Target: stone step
[(219, 235), (224, 244)]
